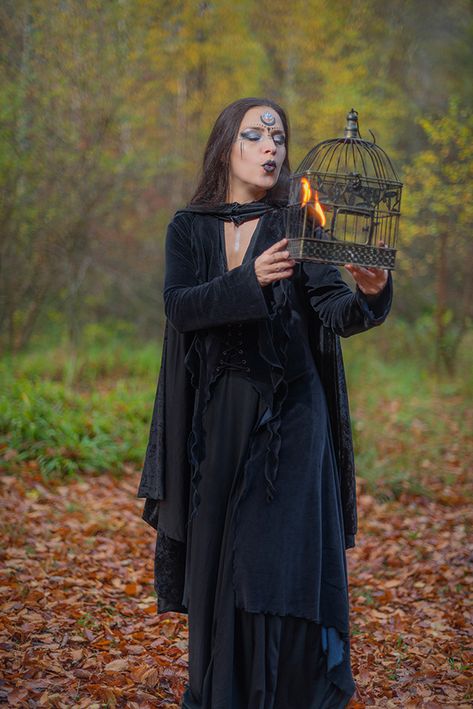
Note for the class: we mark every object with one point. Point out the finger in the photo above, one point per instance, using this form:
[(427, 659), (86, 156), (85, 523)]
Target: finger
[(381, 272), (275, 270), (277, 246), (376, 274), (281, 273), (361, 270), (354, 270), (279, 257)]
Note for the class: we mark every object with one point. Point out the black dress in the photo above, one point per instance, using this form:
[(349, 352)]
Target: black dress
[(249, 476), (256, 660)]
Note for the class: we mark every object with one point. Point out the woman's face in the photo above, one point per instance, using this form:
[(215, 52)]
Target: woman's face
[(257, 155)]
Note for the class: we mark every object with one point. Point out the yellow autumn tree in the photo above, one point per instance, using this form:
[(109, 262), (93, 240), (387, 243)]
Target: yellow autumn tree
[(438, 228)]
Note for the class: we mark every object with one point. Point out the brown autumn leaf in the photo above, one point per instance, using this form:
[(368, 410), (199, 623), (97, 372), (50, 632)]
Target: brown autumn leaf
[(117, 665), (79, 627), (131, 589)]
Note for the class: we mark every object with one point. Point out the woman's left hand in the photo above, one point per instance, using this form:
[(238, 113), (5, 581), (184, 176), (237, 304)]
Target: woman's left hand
[(370, 281)]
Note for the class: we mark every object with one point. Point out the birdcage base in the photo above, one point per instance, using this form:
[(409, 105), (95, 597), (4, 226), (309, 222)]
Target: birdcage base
[(339, 252)]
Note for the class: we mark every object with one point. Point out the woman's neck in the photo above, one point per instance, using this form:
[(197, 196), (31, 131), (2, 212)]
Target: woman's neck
[(243, 196)]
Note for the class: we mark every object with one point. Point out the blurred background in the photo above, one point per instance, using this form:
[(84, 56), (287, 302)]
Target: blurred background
[(105, 109)]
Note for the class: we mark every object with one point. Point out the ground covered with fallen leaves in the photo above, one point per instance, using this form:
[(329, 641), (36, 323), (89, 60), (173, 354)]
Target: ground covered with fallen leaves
[(78, 621)]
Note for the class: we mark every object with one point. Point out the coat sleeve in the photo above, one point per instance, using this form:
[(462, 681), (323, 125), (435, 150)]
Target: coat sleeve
[(339, 308), (193, 305)]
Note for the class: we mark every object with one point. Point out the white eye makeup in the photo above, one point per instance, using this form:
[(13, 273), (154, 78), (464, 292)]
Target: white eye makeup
[(253, 135)]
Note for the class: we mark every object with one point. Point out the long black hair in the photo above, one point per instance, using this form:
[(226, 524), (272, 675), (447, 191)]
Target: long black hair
[(214, 181)]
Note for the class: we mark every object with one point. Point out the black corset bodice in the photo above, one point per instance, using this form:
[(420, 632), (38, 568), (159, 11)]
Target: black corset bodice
[(238, 353), (233, 353)]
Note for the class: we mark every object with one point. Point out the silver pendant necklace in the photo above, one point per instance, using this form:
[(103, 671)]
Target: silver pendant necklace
[(236, 243)]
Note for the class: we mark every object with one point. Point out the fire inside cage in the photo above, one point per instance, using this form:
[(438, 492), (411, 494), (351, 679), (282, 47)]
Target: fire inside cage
[(344, 203)]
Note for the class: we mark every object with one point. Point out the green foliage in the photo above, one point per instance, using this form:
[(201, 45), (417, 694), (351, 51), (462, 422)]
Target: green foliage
[(437, 181), (406, 419), (100, 424), (437, 229), (98, 420), (105, 109)]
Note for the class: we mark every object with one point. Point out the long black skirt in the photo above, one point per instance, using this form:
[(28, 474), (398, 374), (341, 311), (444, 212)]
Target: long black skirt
[(237, 659)]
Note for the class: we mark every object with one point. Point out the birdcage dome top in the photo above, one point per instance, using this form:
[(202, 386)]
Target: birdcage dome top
[(350, 156)]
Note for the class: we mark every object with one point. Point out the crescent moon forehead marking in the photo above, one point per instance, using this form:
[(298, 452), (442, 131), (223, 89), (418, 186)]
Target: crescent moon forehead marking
[(268, 119)]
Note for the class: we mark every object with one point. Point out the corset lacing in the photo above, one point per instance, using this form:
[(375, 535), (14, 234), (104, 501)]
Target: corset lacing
[(233, 355)]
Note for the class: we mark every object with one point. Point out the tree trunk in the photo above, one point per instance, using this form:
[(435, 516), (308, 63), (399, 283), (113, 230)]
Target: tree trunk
[(441, 347)]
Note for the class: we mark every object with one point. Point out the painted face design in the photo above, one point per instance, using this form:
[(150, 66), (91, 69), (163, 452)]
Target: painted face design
[(258, 152), (268, 119), (267, 124), (258, 132)]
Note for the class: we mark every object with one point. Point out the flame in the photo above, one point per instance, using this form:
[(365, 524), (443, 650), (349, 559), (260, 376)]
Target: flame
[(319, 211), (306, 191), (306, 197)]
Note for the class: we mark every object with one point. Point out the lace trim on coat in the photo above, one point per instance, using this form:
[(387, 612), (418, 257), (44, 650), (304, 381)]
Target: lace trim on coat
[(169, 573)]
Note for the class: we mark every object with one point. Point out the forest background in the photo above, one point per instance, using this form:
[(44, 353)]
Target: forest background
[(104, 113), (105, 108)]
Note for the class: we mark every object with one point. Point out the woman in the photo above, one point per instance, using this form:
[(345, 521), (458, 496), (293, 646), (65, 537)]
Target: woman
[(249, 473)]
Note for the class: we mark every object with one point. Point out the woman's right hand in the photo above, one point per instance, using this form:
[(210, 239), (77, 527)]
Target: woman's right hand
[(274, 264)]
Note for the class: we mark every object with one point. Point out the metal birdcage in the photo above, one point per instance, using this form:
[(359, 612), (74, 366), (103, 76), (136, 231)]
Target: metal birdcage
[(344, 203)]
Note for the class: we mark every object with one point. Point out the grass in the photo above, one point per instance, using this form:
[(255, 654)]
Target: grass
[(89, 419), (89, 413), (408, 423)]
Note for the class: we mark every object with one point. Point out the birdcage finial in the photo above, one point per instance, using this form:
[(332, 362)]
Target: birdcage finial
[(351, 128)]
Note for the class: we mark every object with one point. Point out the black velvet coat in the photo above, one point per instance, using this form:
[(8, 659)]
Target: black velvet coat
[(200, 296)]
